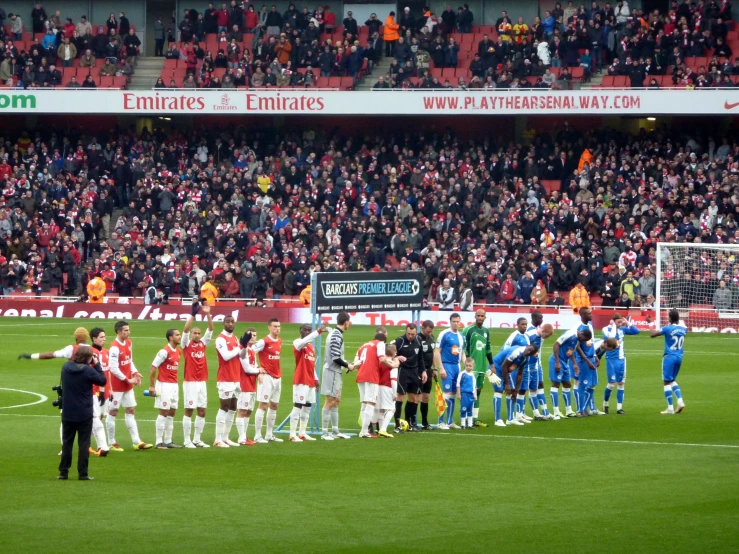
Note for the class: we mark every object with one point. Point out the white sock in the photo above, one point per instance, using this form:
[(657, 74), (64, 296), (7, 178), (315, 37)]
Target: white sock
[(187, 429), (160, 425), (271, 418), (475, 412), (469, 421), (325, 418), (366, 416), (304, 418), (199, 426), (133, 428), (221, 425), (61, 432), (376, 415), (168, 429), (110, 424), (240, 427), (98, 431), (386, 419), (335, 420), (258, 420), (230, 416), (294, 418)]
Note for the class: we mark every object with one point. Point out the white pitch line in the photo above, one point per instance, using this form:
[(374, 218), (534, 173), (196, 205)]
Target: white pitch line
[(465, 435), (41, 399)]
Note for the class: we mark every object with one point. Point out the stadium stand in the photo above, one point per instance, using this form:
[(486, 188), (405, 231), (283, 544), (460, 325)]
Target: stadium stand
[(26, 58), (560, 208), (687, 46)]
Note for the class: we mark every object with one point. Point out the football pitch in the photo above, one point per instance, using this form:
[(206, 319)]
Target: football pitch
[(641, 482)]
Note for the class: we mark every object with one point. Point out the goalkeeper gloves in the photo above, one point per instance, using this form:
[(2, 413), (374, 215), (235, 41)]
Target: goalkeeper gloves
[(24, 357), (195, 308), (493, 378), (245, 338)]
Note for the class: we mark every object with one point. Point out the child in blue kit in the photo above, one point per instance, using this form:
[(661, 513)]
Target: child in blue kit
[(467, 392)]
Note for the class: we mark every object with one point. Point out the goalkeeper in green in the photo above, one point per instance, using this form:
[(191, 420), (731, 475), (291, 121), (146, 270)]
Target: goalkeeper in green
[(477, 346)]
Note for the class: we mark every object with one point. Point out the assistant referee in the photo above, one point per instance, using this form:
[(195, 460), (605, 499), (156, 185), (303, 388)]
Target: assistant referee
[(411, 376)]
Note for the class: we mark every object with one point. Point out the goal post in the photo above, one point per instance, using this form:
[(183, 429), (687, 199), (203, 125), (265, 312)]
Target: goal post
[(701, 281)]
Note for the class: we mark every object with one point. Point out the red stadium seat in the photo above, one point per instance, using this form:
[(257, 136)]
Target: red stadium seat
[(620, 81), (608, 81), (578, 73), (334, 82), (346, 83), (170, 64), (447, 72)]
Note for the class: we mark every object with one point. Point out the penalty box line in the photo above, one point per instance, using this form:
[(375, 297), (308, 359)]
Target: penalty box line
[(464, 435)]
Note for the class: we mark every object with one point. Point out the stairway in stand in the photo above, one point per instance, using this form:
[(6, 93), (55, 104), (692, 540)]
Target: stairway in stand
[(382, 68), (148, 70)]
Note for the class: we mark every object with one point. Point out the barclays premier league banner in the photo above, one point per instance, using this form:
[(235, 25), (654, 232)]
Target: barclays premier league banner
[(366, 291)]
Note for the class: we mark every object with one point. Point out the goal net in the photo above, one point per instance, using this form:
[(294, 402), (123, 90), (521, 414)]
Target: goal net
[(701, 281)]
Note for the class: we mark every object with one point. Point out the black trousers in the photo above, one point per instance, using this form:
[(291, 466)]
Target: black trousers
[(159, 48), (83, 431)]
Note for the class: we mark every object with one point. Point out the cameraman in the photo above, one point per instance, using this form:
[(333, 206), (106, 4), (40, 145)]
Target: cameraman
[(78, 376)]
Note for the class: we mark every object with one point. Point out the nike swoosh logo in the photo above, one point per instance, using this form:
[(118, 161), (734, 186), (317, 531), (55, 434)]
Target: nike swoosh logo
[(730, 106)]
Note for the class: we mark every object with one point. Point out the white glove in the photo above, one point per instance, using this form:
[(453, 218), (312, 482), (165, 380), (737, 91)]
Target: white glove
[(493, 378)]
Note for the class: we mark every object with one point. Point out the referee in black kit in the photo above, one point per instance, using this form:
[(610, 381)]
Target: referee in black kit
[(78, 376), (411, 376)]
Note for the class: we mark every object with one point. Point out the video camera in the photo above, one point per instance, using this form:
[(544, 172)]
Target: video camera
[(58, 402)]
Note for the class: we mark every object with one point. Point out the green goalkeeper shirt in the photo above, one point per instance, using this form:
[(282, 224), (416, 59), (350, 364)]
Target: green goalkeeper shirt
[(477, 346)]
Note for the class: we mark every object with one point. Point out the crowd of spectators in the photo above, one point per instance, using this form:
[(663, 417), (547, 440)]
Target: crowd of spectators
[(628, 42), (263, 47), (57, 43), (256, 212)]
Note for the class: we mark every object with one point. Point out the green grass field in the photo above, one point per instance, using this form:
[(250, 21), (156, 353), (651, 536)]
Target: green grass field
[(643, 482)]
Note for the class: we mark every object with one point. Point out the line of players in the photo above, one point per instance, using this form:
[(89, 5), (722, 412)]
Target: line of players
[(388, 375), (517, 370)]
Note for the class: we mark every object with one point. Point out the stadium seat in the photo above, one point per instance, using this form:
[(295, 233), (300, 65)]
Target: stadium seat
[(608, 81), (578, 73), (620, 81), (170, 64)]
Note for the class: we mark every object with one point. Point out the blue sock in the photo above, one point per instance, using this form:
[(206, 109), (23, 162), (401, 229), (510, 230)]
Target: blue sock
[(591, 399), (462, 411), (542, 401), (554, 393), (567, 396), (676, 391), (533, 400), (668, 395), (497, 405), (620, 395), (450, 410), (520, 403), (509, 407), (607, 393), (580, 398)]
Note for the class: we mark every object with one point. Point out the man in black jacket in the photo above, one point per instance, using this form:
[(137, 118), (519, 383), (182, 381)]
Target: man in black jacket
[(78, 376), (411, 376)]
